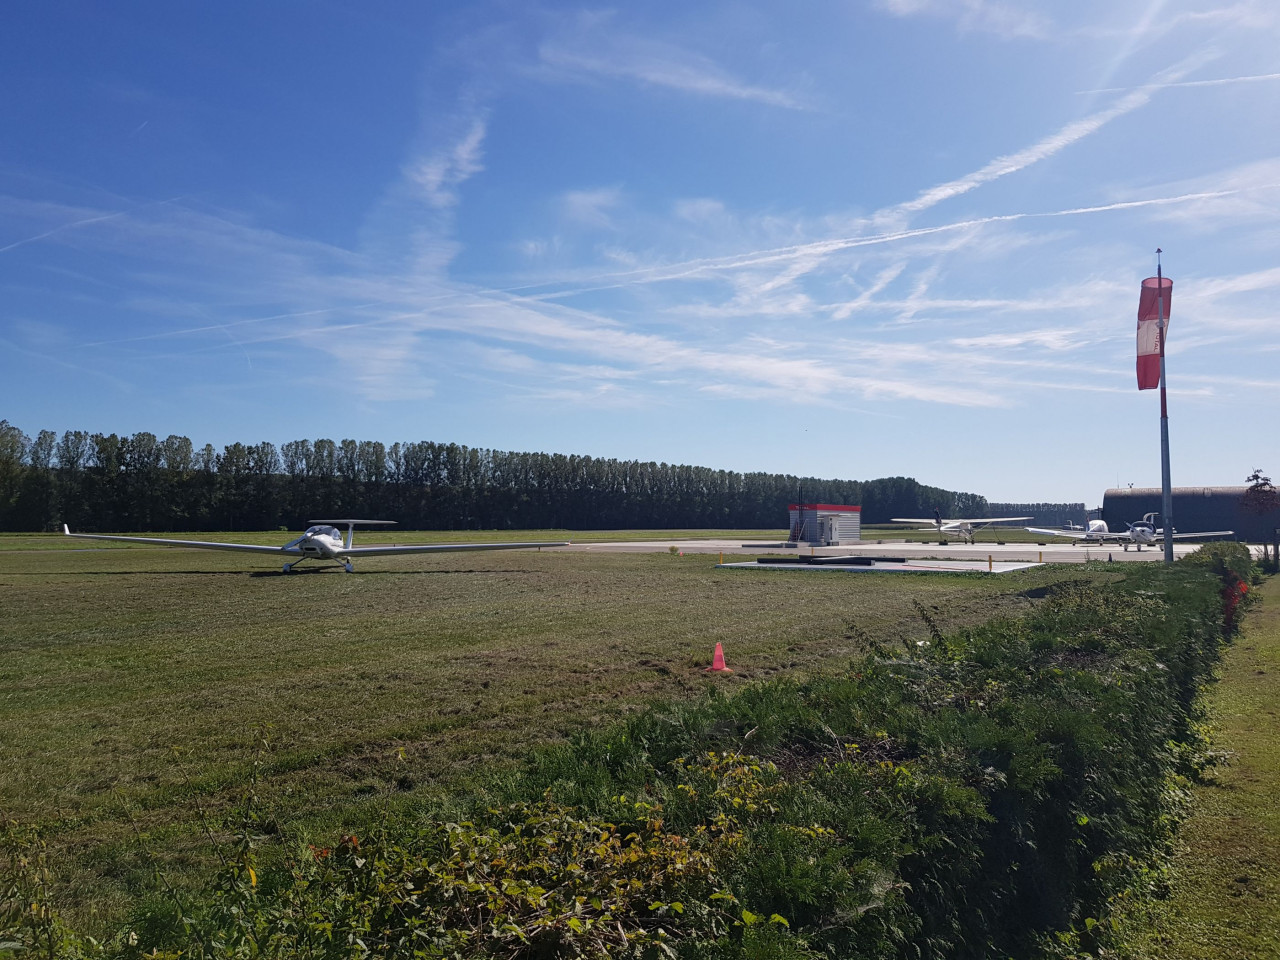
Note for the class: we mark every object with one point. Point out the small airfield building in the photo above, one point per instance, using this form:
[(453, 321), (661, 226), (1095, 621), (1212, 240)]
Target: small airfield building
[(824, 524), (1194, 509)]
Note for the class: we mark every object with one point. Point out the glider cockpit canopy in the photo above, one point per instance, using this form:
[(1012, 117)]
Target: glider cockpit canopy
[(324, 529)]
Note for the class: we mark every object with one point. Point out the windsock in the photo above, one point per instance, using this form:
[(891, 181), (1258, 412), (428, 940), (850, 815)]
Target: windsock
[(1157, 296)]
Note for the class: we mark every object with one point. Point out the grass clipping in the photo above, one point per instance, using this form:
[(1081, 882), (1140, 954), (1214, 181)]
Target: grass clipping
[(977, 794)]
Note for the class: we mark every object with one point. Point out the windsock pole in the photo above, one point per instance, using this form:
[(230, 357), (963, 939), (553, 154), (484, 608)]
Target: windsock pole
[(1165, 482)]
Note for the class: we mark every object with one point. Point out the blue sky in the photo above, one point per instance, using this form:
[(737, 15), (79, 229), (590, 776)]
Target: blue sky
[(860, 239)]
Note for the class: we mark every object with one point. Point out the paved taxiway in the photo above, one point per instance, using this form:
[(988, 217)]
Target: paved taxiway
[(1007, 553)]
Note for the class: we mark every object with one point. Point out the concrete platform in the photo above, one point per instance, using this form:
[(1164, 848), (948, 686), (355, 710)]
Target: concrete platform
[(1024, 553), (882, 566)]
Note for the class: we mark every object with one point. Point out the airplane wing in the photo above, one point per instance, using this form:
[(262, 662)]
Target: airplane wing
[(945, 522), (1092, 536), (1202, 533), (1073, 534), (449, 548), (202, 544)]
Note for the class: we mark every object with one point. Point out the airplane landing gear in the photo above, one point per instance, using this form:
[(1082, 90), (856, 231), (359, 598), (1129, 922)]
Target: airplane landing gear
[(348, 567)]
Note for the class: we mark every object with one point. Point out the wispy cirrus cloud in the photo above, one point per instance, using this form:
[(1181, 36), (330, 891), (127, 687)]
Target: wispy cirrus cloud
[(385, 343), (391, 323), (600, 54), (388, 327), (591, 208), (439, 174), (1005, 20), (1157, 20), (1050, 339), (702, 267)]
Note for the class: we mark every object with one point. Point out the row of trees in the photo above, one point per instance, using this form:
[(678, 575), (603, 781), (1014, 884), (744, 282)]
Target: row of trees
[(1045, 514), (140, 482)]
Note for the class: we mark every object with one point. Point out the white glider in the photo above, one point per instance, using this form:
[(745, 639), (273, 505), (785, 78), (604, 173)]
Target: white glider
[(324, 541)]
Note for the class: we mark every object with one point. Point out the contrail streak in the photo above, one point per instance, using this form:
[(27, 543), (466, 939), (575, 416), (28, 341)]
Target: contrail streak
[(694, 268), (1012, 163), (467, 298), (65, 226), (1221, 81), (86, 221), (233, 323)]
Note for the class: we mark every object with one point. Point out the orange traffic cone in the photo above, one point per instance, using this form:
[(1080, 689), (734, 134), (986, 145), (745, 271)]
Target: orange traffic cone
[(717, 662)]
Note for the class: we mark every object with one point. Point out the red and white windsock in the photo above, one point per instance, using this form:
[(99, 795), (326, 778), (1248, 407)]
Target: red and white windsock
[(1157, 296)]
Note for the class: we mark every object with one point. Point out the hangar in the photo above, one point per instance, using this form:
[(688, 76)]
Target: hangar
[(1194, 508)]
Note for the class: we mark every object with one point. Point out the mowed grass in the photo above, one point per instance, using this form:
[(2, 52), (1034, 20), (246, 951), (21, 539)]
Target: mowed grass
[(1224, 901), (132, 680)]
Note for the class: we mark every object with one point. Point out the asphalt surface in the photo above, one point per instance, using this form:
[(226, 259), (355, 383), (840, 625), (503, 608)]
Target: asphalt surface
[(1021, 553)]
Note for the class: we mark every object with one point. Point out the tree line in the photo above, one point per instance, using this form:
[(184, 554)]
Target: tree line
[(1045, 514), (96, 481)]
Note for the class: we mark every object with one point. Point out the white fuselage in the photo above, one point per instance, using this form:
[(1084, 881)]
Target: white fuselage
[(961, 528), (322, 543), (1142, 532)]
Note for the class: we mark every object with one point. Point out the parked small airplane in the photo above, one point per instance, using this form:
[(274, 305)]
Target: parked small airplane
[(1142, 533), (323, 541), (956, 528)]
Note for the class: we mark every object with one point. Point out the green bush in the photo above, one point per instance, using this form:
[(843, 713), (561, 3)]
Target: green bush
[(1226, 558)]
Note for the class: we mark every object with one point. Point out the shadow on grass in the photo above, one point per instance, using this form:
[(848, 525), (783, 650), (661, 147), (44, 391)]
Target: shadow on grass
[(261, 573), (133, 573), (382, 573)]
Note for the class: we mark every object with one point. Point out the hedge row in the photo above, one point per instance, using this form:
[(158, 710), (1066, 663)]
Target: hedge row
[(976, 795)]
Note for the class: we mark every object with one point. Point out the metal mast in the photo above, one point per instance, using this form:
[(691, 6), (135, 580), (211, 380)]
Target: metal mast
[(1166, 487)]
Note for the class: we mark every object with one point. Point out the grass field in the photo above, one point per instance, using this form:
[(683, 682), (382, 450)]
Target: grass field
[(1224, 901), (133, 678)]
